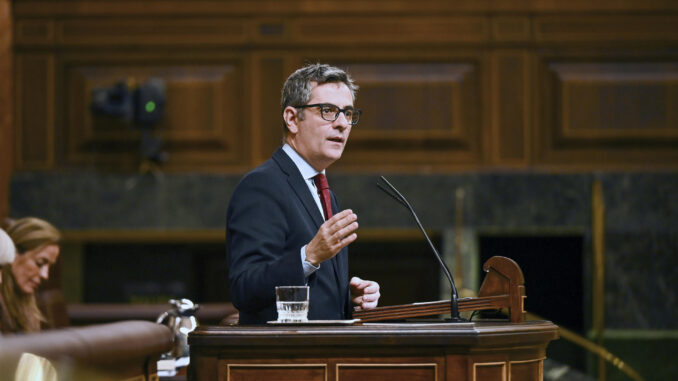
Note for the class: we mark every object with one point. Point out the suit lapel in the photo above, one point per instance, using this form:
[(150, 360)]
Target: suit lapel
[(338, 260), (298, 185)]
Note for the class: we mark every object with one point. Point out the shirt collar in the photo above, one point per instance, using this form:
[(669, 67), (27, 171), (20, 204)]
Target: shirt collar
[(307, 171)]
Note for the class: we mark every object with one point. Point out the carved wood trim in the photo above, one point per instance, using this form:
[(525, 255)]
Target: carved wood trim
[(510, 109), (350, 7), (412, 29), (511, 28), (34, 31), (486, 365), (269, 366), (606, 108), (610, 28), (540, 366), (157, 32), (268, 75), (383, 365)]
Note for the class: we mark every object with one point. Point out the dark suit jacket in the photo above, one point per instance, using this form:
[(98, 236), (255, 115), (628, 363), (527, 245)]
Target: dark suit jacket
[(271, 215)]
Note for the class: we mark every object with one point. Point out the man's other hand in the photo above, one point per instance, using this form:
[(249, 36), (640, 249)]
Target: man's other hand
[(364, 293)]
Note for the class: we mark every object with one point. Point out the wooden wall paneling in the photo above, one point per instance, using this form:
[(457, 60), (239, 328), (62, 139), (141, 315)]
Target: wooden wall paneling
[(34, 111), (266, 118), (241, 89), (6, 105), (157, 31), (360, 30), (622, 28), (608, 111), (269, 72), (270, 30), (419, 112), (618, 100), (207, 104), (63, 92), (470, 56), (510, 28), (36, 32), (510, 114), (541, 108)]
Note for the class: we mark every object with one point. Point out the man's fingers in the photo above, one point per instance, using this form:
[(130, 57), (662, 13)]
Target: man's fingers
[(341, 220), (347, 241), (346, 213), (372, 288), (367, 286), (342, 233), (371, 297), (366, 301), (342, 214), (355, 281)]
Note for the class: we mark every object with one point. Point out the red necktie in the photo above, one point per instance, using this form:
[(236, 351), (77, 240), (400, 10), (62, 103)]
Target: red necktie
[(324, 193)]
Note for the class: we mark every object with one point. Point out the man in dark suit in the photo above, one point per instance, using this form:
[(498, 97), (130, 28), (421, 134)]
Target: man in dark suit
[(277, 231)]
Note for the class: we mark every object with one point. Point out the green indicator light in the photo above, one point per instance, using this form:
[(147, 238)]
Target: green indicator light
[(150, 106)]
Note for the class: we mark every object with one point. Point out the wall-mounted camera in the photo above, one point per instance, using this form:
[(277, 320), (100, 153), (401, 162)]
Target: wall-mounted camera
[(140, 106)]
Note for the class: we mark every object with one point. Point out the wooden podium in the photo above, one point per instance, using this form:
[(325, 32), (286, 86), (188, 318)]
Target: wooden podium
[(374, 350), (478, 351)]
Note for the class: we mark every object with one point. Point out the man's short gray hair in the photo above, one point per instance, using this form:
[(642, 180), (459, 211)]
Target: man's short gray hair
[(297, 89)]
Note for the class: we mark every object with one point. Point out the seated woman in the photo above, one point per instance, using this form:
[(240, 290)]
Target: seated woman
[(37, 248)]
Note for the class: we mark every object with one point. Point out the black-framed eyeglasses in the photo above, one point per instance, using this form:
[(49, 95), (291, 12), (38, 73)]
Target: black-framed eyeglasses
[(330, 112)]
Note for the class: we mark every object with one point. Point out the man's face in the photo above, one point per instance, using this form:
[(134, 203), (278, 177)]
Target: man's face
[(319, 141)]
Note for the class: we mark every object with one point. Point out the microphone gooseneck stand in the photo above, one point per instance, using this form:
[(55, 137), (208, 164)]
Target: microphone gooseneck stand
[(393, 192)]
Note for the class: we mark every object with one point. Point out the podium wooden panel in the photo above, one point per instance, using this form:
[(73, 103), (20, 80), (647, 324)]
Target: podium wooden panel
[(475, 351)]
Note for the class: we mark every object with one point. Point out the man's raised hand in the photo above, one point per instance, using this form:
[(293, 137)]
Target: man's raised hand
[(333, 235)]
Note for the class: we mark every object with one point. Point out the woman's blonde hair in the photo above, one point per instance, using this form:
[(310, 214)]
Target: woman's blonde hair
[(27, 233)]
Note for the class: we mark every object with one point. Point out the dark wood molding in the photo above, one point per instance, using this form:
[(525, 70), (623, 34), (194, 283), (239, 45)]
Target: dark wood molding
[(329, 7), (377, 334), (6, 105)]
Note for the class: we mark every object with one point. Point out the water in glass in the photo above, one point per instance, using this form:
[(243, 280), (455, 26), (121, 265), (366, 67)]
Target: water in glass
[(292, 312)]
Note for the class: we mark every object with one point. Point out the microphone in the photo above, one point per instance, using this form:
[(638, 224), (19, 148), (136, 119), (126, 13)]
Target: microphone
[(393, 192)]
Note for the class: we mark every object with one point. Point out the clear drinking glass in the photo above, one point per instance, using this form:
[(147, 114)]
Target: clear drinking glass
[(292, 303)]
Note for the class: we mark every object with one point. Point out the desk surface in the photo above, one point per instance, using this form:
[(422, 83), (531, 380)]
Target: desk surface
[(375, 334)]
